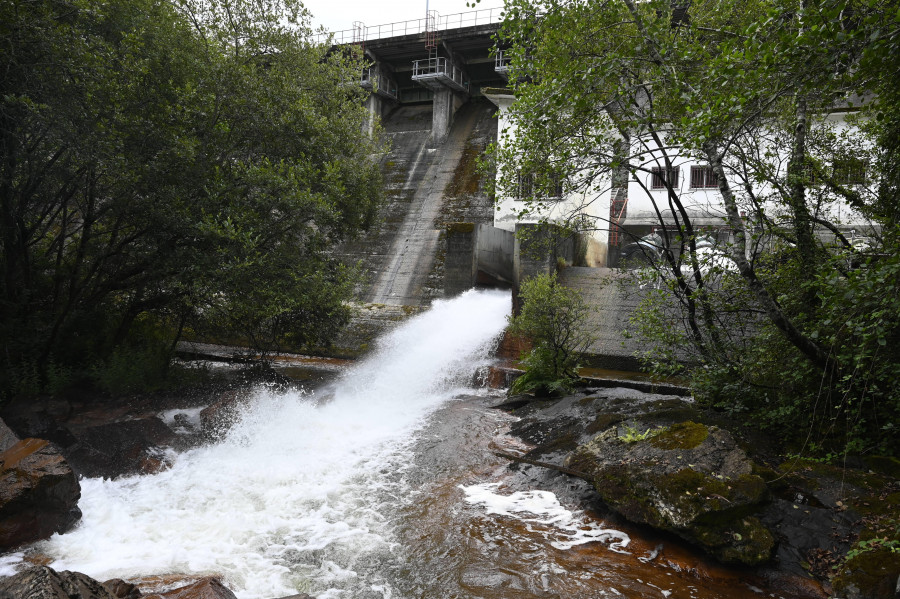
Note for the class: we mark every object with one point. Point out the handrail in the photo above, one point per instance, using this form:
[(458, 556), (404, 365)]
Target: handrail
[(472, 18), (439, 66)]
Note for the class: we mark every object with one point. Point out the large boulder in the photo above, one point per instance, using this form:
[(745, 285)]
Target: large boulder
[(688, 479), (119, 448), (38, 493), (44, 583)]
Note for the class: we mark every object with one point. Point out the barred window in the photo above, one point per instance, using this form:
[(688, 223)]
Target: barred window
[(657, 180), (527, 187), (524, 186), (849, 171), (703, 177)]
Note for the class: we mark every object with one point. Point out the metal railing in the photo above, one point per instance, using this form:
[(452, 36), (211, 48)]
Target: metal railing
[(501, 64), (437, 69), (473, 18), (377, 82)]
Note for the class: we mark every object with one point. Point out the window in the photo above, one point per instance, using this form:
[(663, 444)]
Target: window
[(527, 187), (849, 171), (658, 182), (524, 186), (703, 177)]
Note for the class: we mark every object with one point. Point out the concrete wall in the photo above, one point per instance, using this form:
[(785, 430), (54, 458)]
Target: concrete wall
[(494, 252), (477, 251), (612, 298), (538, 249), (460, 261)]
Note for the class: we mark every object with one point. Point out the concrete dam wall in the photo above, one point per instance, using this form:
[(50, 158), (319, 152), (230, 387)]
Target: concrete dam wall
[(427, 186)]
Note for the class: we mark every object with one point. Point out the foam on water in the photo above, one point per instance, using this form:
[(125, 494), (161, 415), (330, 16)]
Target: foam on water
[(563, 528), (287, 501)]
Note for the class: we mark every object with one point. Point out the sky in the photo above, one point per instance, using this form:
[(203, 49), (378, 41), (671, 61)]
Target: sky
[(338, 15)]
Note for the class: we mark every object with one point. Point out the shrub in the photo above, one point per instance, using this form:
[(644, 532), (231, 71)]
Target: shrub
[(553, 317)]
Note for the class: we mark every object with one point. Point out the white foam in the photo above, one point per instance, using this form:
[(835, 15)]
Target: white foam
[(565, 529), (288, 498)]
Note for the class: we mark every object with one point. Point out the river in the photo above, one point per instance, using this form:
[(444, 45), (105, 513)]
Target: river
[(382, 484)]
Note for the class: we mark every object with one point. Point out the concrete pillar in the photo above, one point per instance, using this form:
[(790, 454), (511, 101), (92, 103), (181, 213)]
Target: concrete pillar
[(460, 261), (442, 114), (375, 107)]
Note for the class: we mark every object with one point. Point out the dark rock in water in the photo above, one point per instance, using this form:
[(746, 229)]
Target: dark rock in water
[(298, 596), (206, 588), (39, 424), (39, 493), (44, 583), (688, 479), (118, 448), (120, 589), (216, 419)]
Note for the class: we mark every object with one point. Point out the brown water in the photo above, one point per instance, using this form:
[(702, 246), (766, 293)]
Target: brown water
[(454, 549)]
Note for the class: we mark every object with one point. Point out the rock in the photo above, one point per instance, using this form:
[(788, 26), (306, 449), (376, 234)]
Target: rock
[(216, 419), (298, 596), (120, 589), (44, 583), (689, 479), (118, 448), (869, 575), (206, 588), (7, 437), (39, 424), (39, 493)]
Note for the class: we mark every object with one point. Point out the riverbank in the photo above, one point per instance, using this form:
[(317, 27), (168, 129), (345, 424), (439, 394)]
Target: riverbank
[(833, 529), (817, 513)]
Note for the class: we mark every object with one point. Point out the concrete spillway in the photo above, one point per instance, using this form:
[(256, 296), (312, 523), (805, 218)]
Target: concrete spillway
[(427, 186)]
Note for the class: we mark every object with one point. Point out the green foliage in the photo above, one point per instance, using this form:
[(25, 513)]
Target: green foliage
[(787, 323), (868, 545), (553, 318), (189, 160), (633, 435)]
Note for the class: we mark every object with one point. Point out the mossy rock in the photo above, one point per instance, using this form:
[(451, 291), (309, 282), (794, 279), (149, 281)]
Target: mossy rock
[(690, 480), (884, 464), (684, 435), (460, 227), (603, 421), (741, 541), (869, 575)]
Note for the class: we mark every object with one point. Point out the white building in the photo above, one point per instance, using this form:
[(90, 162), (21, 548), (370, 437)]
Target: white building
[(613, 218)]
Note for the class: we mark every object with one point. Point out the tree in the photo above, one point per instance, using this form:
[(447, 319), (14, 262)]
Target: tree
[(179, 164), (748, 88), (553, 319)]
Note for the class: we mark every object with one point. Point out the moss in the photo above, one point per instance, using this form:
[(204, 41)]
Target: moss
[(567, 442), (749, 543), (460, 227), (811, 469), (884, 465), (684, 435), (602, 422), (584, 401), (871, 574)]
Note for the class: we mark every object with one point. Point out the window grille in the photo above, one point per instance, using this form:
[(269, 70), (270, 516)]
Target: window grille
[(660, 176), (703, 177), (849, 171), (526, 187)]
